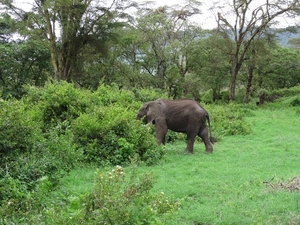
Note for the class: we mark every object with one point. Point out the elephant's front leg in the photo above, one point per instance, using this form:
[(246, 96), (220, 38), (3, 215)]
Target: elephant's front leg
[(161, 131)]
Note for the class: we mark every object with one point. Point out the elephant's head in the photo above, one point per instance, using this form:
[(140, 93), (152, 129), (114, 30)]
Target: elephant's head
[(149, 112)]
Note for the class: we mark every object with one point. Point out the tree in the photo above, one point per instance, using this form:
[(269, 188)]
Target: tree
[(247, 24), (69, 26), (209, 63), (279, 69), (258, 51), (165, 35), (6, 27), (252, 56), (23, 62)]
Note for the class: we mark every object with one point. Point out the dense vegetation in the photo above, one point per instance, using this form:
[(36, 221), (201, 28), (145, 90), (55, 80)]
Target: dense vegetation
[(58, 129), (143, 46), (73, 75)]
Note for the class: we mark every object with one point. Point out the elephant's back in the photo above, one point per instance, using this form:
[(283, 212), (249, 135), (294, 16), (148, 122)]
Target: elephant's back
[(182, 108)]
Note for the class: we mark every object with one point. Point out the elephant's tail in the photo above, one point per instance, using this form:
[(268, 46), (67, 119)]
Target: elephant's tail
[(211, 138)]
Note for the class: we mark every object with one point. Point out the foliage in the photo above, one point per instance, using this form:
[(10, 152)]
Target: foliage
[(30, 188), (279, 69), (56, 103), (296, 101), (162, 37), (6, 28), (229, 120), (207, 96), (206, 183), (27, 155), (17, 130), (24, 62), (147, 95), (110, 135), (209, 64), (80, 24), (21, 176), (157, 48), (270, 96), (107, 95), (117, 200), (247, 18), (52, 129)]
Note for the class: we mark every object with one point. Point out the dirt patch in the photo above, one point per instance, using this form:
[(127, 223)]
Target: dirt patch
[(292, 185)]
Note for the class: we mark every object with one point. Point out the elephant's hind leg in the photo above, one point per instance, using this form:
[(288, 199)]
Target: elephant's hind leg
[(204, 135), (190, 143)]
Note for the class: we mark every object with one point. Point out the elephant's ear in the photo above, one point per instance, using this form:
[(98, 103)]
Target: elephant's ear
[(154, 109)]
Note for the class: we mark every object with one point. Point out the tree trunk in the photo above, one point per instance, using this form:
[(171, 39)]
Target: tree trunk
[(161, 69), (231, 93), (235, 68), (249, 84), (66, 69)]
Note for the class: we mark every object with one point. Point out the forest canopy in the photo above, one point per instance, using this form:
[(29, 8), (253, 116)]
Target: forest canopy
[(141, 45)]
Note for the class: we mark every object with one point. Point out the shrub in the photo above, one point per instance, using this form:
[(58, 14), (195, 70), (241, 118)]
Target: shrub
[(229, 120), (295, 101), (57, 102), (112, 135), (107, 95), (17, 130), (147, 95), (51, 157), (270, 96), (117, 200), (27, 154), (207, 96)]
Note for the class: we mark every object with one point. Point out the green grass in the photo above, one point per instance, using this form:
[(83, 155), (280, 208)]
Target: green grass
[(237, 184)]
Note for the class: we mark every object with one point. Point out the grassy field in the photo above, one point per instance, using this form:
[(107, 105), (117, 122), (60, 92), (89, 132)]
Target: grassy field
[(245, 181)]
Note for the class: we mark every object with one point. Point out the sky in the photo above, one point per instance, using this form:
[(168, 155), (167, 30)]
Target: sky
[(207, 19)]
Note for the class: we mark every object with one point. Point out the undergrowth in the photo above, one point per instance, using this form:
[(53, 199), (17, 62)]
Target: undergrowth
[(55, 129)]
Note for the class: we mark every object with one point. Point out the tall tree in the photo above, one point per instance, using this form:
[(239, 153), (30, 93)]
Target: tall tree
[(279, 69), (165, 33), (69, 26), (210, 64), (6, 27), (23, 62), (258, 51), (245, 23)]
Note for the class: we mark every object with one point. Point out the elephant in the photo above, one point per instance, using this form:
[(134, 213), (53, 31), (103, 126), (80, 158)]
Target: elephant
[(181, 115)]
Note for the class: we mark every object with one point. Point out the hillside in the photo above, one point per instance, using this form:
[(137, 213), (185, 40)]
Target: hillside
[(284, 36)]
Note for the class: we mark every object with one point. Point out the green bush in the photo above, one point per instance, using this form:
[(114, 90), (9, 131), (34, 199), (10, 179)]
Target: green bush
[(17, 130), (51, 157), (107, 95), (295, 101), (147, 95), (270, 96), (57, 102), (28, 151), (229, 120), (112, 135), (207, 96), (117, 200)]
